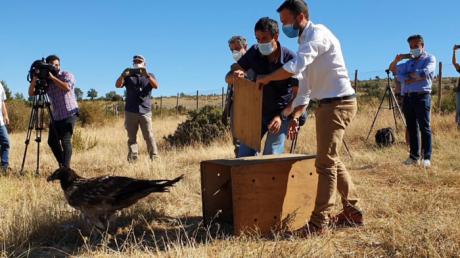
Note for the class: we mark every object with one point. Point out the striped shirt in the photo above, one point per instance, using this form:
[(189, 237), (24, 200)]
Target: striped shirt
[(63, 103)]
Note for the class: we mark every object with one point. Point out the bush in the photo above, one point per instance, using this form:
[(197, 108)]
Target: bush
[(81, 143), (19, 114), (202, 126), (92, 113)]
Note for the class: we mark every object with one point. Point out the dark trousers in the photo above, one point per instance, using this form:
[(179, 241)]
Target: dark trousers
[(60, 139), (417, 109)]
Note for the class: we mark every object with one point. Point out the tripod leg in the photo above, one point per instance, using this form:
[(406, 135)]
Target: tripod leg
[(398, 107), (32, 119), (393, 110), (346, 148), (376, 115)]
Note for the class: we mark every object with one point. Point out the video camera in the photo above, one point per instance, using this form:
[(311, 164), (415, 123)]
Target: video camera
[(457, 47), (136, 71), (41, 70)]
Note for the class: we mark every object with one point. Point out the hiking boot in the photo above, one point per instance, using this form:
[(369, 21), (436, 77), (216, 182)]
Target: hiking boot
[(349, 217)]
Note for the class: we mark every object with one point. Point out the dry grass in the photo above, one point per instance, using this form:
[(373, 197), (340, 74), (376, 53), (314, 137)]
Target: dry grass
[(409, 211)]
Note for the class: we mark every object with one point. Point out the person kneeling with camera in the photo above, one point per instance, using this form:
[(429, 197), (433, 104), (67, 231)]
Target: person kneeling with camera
[(60, 90)]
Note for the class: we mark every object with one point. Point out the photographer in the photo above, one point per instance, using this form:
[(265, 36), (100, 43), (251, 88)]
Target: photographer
[(4, 139), (417, 74), (457, 90), (139, 84), (64, 105)]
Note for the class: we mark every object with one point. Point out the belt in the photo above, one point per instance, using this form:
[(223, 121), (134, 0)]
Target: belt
[(414, 94), (330, 100)]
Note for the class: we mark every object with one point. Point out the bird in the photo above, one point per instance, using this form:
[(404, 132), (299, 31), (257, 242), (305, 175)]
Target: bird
[(99, 198)]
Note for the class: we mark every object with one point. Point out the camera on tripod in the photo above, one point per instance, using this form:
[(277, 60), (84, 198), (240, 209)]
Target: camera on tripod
[(457, 47), (41, 70)]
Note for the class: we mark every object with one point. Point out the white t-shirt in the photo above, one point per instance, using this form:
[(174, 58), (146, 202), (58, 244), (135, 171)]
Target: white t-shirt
[(2, 98)]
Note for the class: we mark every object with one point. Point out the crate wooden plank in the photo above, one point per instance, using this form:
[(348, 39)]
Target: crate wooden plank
[(216, 192), (247, 113), (271, 196)]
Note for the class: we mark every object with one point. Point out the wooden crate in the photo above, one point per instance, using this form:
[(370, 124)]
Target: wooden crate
[(259, 194), (247, 113)]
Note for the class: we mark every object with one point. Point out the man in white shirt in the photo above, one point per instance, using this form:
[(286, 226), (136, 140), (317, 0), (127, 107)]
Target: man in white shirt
[(4, 139), (322, 65)]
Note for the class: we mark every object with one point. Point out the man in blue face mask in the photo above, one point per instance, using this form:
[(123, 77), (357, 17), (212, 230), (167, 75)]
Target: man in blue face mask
[(263, 58), (417, 74)]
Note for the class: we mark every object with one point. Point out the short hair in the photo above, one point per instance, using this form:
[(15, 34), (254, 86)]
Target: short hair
[(51, 59), (415, 37), (266, 24), (296, 7), (238, 39)]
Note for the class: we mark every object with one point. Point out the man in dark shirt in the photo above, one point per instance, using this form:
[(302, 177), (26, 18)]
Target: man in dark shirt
[(138, 108), (457, 89), (263, 58)]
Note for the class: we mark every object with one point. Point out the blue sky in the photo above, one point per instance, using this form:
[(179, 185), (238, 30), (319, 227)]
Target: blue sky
[(185, 42)]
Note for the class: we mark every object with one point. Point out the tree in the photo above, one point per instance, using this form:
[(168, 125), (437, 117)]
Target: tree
[(79, 94), (7, 90), (113, 96), (92, 94), (19, 96)]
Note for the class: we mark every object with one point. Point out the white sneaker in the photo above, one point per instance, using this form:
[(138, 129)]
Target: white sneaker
[(426, 163), (411, 162)]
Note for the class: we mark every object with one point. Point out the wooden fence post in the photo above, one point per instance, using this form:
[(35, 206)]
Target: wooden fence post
[(177, 104), (161, 106), (356, 81), (440, 87), (197, 96)]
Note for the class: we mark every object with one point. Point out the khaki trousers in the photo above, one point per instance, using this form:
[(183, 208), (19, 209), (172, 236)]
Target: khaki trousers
[(132, 123), (331, 121)]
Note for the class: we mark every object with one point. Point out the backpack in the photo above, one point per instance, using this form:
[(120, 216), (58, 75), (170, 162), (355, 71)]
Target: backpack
[(385, 137)]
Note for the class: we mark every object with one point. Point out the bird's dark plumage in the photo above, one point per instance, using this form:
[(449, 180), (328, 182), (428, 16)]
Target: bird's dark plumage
[(99, 198)]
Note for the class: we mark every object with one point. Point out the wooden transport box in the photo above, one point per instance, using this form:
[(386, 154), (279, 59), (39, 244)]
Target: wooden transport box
[(259, 194)]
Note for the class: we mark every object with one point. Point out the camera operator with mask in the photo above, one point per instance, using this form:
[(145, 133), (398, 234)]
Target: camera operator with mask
[(417, 75), (64, 107), (138, 108), (457, 89)]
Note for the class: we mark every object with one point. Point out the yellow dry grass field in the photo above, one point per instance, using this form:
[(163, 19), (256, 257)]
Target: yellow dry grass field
[(409, 211)]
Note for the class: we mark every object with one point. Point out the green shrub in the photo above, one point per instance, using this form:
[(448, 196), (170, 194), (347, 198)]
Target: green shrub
[(202, 126), (19, 114), (92, 113), (81, 143)]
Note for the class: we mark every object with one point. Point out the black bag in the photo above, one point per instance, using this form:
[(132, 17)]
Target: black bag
[(385, 137)]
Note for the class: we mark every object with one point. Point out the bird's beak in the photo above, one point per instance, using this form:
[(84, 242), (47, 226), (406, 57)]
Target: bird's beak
[(49, 179)]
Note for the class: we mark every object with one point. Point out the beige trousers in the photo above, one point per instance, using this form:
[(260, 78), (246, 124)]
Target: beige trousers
[(132, 123)]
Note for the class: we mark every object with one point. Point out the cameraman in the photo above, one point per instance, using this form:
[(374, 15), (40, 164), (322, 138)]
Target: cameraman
[(138, 107), (64, 105), (457, 67), (417, 75)]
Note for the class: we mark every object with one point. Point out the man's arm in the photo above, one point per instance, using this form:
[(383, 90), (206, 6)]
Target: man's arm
[(454, 60), (153, 82), (6, 119), (32, 87), (62, 85), (121, 80)]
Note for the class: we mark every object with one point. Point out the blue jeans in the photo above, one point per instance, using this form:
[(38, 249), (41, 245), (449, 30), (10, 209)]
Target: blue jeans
[(274, 144), (457, 116), (417, 109), (5, 146)]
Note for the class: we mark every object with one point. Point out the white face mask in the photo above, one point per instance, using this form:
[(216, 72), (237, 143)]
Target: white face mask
[(141, 65), (237, 55), (417, 52)]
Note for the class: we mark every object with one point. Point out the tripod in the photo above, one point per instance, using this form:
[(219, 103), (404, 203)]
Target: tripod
[(37, 116), (392, 105)]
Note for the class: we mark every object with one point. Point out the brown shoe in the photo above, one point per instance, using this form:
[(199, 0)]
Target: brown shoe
[(309, 230), (349, 217)]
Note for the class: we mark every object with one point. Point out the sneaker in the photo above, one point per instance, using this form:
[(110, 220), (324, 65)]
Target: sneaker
[(411, 162), (426, 163), (349, 217)]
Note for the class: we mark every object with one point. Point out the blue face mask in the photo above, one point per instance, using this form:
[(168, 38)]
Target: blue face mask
[(416, 53), (290, 31), (266, 48)]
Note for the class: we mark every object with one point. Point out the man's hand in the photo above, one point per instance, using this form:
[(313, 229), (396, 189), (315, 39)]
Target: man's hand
[(51, 76), (262, 80), (410, 81), (398, 58), (275, 125), (125, 73), (6, 120), (144, 72), (414, 76), (293, 128)]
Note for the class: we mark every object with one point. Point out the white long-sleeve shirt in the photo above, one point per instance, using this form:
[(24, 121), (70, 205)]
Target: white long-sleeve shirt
[(321, 63)]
